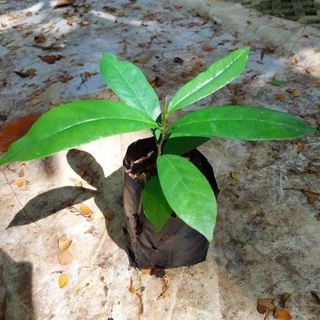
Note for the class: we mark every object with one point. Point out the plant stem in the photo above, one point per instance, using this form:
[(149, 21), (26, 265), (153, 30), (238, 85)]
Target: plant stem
[(163, 128)]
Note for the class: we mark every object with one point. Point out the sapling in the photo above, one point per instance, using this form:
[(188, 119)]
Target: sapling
[(179, 186)]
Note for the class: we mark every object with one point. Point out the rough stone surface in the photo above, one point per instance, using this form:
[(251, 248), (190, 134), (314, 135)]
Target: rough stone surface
[(267, 236)]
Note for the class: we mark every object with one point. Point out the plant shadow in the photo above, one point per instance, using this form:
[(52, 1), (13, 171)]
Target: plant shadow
[(108, 194), (15, 289)]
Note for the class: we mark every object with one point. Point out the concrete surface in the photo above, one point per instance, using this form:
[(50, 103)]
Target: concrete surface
[(267, 236)]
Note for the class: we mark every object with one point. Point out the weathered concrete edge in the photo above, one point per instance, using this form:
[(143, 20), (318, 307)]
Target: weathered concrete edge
[(290, 37)]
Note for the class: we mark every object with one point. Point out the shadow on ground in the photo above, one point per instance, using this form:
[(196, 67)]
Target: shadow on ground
[(52, 201), (15, 289)]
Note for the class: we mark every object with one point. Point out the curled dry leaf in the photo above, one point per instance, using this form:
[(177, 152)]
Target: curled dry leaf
[(280, 96), (300, 144), (317, 295), (21, 183), (50, 59), (265, 305), (64, 243), (30, 73), (65, 257), (39, 38), (282, 314), (234, 175), (61, 3), (63, 280), (85, 210), (284, 297), (311, 195), (207, 48)]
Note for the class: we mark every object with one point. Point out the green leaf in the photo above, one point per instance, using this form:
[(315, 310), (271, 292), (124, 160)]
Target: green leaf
[(240, 123), (76, 123), (129, 83), (182, 145), (188, 193), (155, 205), (220, 73)]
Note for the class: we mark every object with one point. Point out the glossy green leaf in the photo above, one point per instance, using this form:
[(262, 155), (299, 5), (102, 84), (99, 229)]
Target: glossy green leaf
[(155, 205), (188, 193), (220, 73), (129, 83), (76, 123), (241, 123), (182, 145)]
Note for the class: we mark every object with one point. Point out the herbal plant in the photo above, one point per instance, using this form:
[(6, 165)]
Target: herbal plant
[(179, 185)]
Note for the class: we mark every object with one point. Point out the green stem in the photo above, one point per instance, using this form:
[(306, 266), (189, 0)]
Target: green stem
[(163, 128)]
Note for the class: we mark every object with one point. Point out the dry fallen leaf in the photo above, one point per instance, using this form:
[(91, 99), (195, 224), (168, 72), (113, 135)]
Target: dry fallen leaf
[(63, 280), (50, 59), (21, 183), (39, 38), (280, 96), (311, 195), (265, 305), (282, 314), (62, 3), (300, 144), (85, 210), (30, 73), (284, 297), (15, 130), (65, 257), (316, 294), (64, 243), (234, 175), (207, 48), (65, 77)]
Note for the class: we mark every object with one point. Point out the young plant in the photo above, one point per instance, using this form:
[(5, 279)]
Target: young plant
[(179, 185)]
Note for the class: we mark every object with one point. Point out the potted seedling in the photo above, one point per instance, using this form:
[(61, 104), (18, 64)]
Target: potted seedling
[(170, 190)]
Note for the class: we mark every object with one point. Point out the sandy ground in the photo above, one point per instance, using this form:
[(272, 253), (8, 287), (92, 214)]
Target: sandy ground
[(267, 236)]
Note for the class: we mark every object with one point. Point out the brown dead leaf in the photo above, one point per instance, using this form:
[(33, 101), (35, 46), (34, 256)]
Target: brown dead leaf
[(207, 48), (157, 82), (40, 38), (310, 70), (265, 305), (62, 3), (65, 77), (63, 280), (234, 175), (284, 297), (282, 314), (64, 243), (30, 73), (65, 257), (50, 59), (15, 130), (311, 195), (300, 144), (280, 96), (21, 172), (317, 295), (294, 92)]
